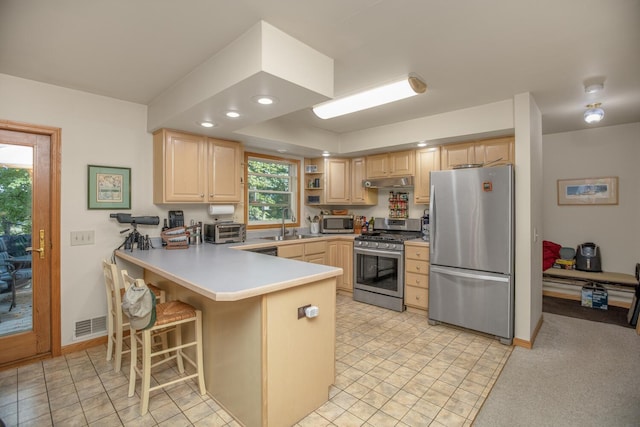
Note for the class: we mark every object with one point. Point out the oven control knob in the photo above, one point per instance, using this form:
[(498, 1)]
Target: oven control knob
[(384, 245)]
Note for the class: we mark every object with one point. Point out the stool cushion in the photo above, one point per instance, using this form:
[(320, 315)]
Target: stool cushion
[(173, 311)]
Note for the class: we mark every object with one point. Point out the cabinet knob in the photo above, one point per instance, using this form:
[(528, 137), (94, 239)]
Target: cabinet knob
[(417, 267), (202, 195), (417, 281), (418, 254), (417, 298), (210, 195)]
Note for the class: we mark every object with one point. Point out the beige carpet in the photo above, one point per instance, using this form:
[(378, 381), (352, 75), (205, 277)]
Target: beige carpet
[(579, 373)]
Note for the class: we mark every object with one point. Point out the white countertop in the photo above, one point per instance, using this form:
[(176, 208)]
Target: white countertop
[(221, 273)]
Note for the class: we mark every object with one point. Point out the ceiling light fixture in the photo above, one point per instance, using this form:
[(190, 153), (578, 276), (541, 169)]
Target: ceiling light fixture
[(421, 144), (207, 124), (325, 154), (391, 92), (594, 113), (264, 99), (232, 114), (595, 88)]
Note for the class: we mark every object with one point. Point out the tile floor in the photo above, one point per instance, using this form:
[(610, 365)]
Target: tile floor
[(392, 369)]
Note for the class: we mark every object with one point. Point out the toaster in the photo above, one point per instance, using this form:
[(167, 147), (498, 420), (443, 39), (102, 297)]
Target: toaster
[(588, 257), (224, 232)]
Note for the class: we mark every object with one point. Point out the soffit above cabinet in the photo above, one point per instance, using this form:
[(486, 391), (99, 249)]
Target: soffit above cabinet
[(263, 61)]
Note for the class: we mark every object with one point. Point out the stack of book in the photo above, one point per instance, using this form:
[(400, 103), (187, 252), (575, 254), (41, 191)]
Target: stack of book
[(567, 264)]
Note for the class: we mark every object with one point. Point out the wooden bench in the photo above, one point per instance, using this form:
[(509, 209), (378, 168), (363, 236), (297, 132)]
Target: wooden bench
[(557, 282)]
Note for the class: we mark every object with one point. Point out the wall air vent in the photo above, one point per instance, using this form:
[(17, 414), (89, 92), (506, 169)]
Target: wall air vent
[(89, 327)]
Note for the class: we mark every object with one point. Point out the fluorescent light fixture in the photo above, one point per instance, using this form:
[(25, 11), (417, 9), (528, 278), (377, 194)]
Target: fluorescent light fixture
[(264, 99), (595, 88), (232, 114), (207, 124), (391, 92), (594, 113)]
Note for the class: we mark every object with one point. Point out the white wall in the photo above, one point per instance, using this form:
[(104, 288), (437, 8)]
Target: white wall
[(528, 177), (100, 131), (598, 152)]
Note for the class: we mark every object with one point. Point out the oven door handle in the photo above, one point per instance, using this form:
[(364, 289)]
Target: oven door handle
[(378, 252)]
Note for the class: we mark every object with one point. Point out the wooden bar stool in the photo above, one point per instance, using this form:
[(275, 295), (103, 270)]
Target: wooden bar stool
[(169, 314), (116, 322)]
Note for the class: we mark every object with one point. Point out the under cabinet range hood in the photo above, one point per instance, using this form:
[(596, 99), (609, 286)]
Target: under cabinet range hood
[(397, 181)]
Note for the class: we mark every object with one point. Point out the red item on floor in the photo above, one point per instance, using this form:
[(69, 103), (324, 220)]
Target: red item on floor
[(550, 252)]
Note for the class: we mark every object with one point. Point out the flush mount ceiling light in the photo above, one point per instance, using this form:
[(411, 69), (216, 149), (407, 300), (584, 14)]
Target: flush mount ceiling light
[(594, 113), (594, 88), (264, 99), (391, 92), (207, 124), (325, 154), (421, 144), (232, 114)]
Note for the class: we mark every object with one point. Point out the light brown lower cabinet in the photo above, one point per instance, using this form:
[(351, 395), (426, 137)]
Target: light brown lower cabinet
[(314, 252), (341, 255), (416, 279)]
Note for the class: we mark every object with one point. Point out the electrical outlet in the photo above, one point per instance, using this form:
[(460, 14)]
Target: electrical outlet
[(301, 313), (82, 238)]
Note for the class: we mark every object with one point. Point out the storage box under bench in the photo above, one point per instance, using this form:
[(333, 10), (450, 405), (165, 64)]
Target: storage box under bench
[(620, 286)]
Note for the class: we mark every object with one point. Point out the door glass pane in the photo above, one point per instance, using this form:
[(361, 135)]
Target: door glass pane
[(16, 292)]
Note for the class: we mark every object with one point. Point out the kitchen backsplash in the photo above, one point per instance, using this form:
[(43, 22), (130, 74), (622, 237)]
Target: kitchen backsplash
[(380, 210)]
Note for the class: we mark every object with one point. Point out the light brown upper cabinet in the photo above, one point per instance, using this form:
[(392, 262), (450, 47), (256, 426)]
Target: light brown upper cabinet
[(400, 163), (500, 150), (359, 194), (427, 160), (190, 168), (338, 183), (224, 174)]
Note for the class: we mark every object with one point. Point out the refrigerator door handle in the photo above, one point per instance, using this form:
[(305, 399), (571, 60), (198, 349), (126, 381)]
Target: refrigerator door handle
[(466, 275), (432, 214)]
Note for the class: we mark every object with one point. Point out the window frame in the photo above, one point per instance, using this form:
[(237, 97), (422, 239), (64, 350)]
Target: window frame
[(295, 197)]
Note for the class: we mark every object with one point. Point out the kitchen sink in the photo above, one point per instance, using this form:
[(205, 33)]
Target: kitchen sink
[(295, 237)]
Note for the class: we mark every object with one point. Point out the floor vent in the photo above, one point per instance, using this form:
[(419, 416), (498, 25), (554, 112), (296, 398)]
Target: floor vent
[(90, 327)]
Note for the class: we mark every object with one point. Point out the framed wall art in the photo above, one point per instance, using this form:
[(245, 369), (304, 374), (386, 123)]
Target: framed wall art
[(109, 187), (588, 191)]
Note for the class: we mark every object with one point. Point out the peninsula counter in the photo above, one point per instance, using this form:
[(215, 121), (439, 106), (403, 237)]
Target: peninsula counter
[(263, 364)]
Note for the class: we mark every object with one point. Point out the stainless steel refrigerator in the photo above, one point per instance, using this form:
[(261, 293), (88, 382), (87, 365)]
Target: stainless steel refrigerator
[(471, 274)]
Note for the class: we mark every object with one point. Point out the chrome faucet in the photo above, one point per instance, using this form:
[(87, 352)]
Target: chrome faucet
[(285, 211)]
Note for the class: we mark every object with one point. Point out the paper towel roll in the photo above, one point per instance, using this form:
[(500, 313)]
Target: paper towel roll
[(221, 209)]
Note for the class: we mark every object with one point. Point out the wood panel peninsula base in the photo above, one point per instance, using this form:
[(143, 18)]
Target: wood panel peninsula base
[(265, 366)]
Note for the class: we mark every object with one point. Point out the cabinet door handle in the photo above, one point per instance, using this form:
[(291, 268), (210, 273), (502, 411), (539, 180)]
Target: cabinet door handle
[(201, 195)]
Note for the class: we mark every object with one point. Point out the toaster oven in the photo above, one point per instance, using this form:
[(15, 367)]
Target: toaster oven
[(224, 232)]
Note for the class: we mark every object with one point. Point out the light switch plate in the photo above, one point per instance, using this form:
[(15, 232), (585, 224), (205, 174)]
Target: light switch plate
[(82, 238)]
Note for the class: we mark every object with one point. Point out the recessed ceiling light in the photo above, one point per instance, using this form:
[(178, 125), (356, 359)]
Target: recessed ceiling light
[(325, 154), (264, 99), (232, 114), (422, 144), (595, 88), (207, 124), (281, 150)]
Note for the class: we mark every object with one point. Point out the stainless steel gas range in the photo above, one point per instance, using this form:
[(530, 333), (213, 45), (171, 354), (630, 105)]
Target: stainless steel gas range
[(378, 260)]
